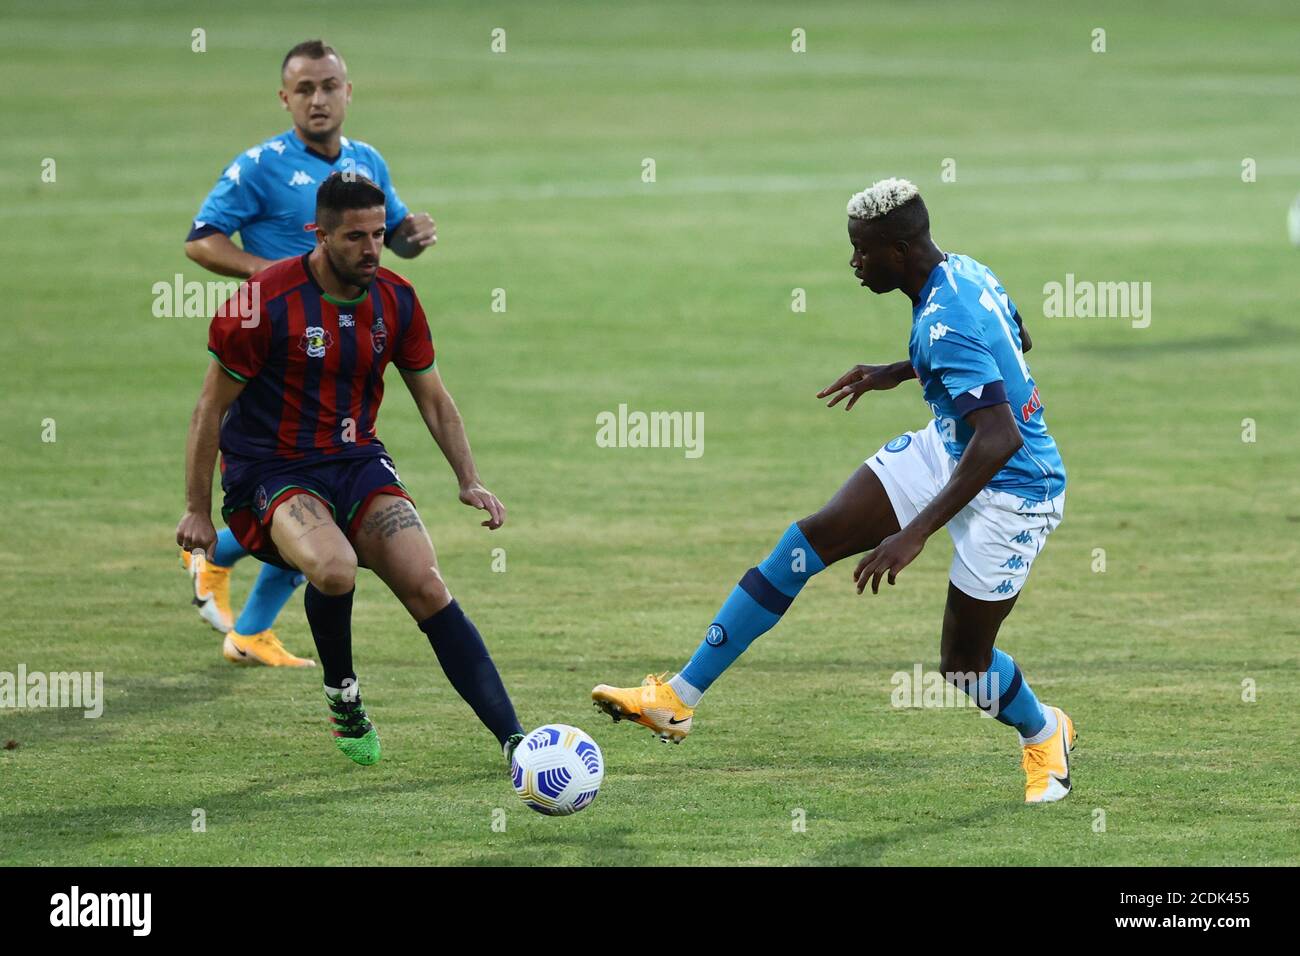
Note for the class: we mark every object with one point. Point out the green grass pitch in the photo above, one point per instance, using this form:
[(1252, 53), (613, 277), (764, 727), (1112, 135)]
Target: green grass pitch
[(1123, 165)]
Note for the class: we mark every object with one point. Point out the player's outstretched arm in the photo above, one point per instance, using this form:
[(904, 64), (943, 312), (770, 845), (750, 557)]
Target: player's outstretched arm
[(861, 379), (995, 440), (195, 531), (413, 235), (218, 254), (448, 429)]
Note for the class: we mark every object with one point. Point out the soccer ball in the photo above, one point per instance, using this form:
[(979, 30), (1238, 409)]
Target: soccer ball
[(557, 770)]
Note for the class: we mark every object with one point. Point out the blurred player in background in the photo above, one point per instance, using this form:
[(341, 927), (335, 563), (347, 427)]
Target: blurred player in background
[(291, 400), (268, 196), (985, 468)]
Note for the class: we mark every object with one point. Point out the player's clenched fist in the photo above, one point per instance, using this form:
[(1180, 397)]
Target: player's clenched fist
[(196, 533)]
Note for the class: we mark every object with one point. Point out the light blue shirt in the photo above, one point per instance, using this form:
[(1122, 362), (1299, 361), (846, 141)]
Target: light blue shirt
[(965, 348), (267, 194)]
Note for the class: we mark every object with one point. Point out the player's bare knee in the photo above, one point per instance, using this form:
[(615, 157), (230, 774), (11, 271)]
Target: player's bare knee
[(336, 573), (826, 539), (427, 598)]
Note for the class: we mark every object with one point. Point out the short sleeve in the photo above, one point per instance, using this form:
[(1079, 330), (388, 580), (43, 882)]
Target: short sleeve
[(415, 350), (394, 209), (233, 203), (239, 335), (968, 370)]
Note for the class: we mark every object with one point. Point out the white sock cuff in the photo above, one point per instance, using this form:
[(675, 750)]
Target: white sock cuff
[(1049, 728), (689, 695)]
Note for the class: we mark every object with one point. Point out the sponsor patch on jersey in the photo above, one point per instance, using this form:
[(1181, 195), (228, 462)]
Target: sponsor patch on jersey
[(899, 443)]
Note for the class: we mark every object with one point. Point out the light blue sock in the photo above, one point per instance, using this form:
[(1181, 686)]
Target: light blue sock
[(272, 589), (228, 549), (755, 605), (1005, 694)]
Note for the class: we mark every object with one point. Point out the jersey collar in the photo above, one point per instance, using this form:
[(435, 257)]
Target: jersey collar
[(311, 277), (936, 276), (297, 143)]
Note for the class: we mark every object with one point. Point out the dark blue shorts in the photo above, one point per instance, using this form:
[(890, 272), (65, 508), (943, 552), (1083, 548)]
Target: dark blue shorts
[(255, 489)]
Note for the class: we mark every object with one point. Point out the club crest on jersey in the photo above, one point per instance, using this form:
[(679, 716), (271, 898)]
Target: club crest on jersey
[(259, 498), (379, 336), (315, 341), (899, 443)]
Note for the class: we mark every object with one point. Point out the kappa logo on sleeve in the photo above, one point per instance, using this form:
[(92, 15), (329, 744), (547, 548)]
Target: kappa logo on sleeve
[(938, 331)]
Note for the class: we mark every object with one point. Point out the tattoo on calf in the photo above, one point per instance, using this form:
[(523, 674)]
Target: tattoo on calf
[(389, 520)]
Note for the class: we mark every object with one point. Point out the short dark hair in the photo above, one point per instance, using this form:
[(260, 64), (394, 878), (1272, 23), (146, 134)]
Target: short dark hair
[(909, 221), (312, 50), (343, 191)]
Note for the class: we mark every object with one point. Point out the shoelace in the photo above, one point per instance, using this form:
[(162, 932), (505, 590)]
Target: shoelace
[(655, 678), (349, 715)]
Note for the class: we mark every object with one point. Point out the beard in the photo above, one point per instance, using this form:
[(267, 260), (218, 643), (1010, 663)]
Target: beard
[(348, 272)]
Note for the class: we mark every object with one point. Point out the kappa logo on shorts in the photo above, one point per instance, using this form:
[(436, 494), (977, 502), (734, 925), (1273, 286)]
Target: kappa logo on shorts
[(315, 341), (899, 443), (716, 635), (1014, 563), (379, 335), (259, 498), (1006, 587)]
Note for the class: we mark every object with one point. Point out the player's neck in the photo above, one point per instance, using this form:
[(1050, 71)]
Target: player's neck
[(323, 271), (918, 272), (329, 147)]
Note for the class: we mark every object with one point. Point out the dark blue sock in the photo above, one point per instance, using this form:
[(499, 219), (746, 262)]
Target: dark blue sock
[(330, 617), (271, 591), (754, 607), (466, 662)]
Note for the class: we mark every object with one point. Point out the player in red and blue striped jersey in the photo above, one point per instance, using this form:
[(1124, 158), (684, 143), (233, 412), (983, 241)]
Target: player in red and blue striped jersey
[(291, 400), (267, 194)]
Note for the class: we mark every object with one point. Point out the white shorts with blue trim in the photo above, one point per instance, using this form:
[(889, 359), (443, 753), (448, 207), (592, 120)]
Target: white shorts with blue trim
[(996, 537)]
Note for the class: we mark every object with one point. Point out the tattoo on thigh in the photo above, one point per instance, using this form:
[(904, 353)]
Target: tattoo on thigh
[(390, 519), (302, 506)]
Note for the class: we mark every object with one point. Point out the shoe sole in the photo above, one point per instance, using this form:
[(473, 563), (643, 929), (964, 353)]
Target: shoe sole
[(612, 708)]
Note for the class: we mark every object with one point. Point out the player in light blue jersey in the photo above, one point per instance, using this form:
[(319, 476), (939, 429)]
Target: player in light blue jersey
[(985, 468), (267, 195)]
